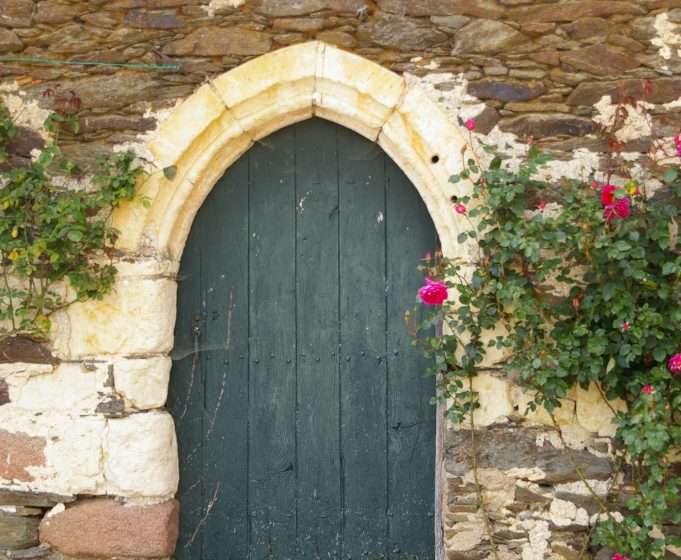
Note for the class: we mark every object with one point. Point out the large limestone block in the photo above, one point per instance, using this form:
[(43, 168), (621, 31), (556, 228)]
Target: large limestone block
[(72, 449), (15, 375), (144, 381), (140, 455), (355, 92), (74, 455), (494, 397), (71, 387), (271, 91), (420, 139), (137, 317), (594, 414), (105, 528)]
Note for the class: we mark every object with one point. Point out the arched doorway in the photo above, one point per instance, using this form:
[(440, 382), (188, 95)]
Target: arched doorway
[(303, 422)]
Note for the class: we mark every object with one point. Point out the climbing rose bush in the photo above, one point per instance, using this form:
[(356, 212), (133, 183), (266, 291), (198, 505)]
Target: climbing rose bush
[(588, 293)]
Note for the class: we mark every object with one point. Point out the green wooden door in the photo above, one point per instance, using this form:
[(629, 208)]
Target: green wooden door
[(303, 421)]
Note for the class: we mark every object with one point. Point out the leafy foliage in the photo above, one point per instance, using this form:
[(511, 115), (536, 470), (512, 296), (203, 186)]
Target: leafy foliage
[(613, 255), (52, 232)]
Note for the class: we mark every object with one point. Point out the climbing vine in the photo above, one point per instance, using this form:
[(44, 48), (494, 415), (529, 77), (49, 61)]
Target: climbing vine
[(586, 290), (54, 233)]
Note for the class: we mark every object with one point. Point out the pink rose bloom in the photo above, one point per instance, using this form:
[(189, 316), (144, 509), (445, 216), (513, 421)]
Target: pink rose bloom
[(618, 556), (460, 209), (618, 210), (433, 293), (674, 364), (542, 204), (470, 124), (677, 143), (647, 390)]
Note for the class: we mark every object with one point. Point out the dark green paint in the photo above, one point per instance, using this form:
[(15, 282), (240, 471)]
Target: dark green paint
[(304, 426)]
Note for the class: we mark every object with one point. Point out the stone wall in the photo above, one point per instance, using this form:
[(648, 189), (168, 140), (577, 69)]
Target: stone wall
[(83, 432)]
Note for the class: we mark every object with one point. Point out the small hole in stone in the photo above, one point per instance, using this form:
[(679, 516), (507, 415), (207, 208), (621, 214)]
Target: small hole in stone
[(454, 198), (435, 158)]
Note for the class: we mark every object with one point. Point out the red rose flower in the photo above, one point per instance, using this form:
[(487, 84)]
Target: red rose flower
[(674, 364), (618, 210), (433, 293)]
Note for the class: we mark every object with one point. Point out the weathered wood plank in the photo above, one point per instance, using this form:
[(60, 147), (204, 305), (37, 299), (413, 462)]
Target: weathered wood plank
[(272, 384), (225, 356), (185, 393), (411, 417), (363, 363), (319, 511)]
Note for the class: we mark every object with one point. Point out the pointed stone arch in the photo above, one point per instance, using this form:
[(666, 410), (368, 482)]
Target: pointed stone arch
[(131, 329), (224, 117)]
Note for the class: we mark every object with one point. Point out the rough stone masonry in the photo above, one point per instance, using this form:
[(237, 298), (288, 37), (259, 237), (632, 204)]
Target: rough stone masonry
[(88, 459)]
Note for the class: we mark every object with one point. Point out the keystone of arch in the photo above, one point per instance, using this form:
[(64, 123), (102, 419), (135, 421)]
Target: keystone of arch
[(224, 117)]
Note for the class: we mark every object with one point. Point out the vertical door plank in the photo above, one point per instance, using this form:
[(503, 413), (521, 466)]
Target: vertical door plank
[(185, 396), (319, 520), (362, 364), (411, 418), (272, 384), (225, 356)]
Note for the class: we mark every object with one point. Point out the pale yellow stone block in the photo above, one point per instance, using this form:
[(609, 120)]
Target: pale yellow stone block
[(465, 535), (75, 456), (144, 381), (129, 219), (73, 449), (185, 124), (17, 374), (594, 414), (138, 317), (140, 455), (355, 92), (271, 91), (419, 137), (69, 387), (494, 397)]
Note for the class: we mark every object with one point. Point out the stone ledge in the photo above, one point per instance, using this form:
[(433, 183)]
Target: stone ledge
[(507, 447), (105, 528), (21, 349)]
